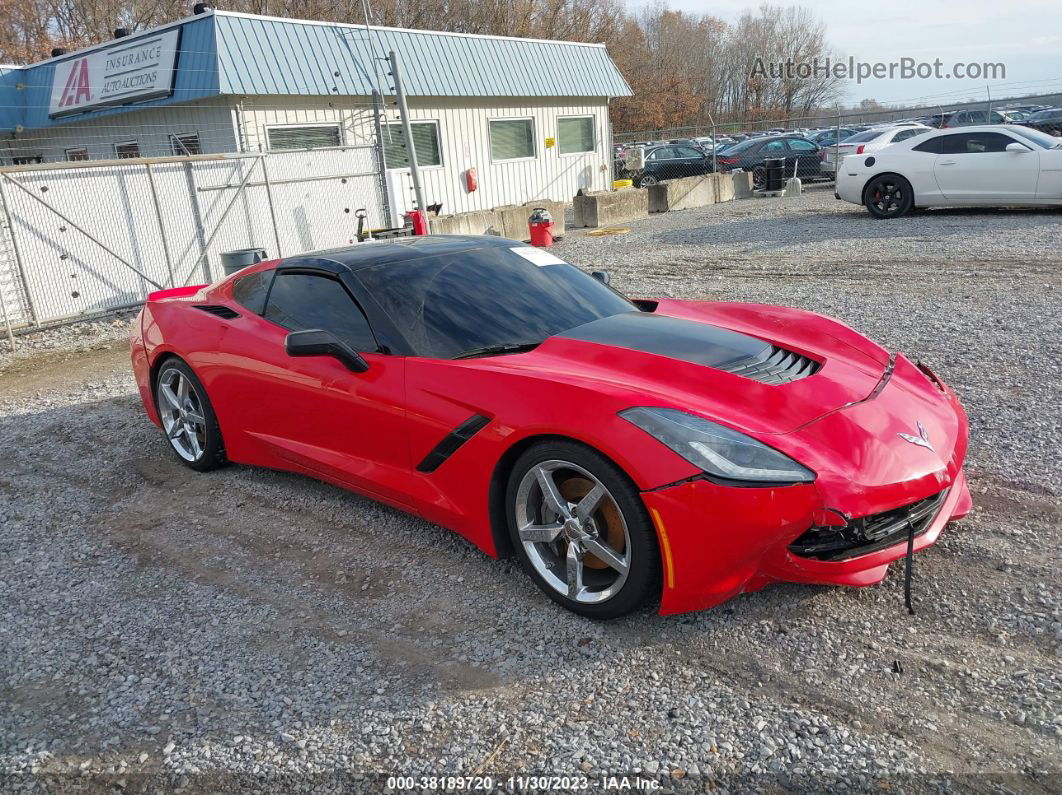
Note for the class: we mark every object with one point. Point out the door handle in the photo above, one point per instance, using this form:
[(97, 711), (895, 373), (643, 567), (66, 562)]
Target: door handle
[(948, 163)]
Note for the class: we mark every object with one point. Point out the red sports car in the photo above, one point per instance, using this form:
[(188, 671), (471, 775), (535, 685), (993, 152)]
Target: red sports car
[(624, 450)]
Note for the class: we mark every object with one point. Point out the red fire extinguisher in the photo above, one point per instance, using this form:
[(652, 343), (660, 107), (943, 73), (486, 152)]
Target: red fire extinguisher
[(418, 220), (541, 225)]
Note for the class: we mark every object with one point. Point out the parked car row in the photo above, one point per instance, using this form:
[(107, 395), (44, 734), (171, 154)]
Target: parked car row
[(808, 154)]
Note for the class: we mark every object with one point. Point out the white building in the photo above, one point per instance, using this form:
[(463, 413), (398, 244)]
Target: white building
[(528, 118)]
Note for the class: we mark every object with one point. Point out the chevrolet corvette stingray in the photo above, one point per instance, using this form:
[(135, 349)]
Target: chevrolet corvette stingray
[(625, 451)]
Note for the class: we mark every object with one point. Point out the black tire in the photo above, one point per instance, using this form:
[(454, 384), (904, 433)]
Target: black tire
[(642, 581), (888, 196), (208, 438), (759, 178)]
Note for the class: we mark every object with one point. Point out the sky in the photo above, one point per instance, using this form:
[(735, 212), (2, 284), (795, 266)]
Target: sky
[(1026, 37)]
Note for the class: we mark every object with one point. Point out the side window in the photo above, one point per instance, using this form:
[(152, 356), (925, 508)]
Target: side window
[(688, 152), (301, 301), (903, 135), (975, 143), (773, 148), (251, 290), (934, 146), (801, 146), (664, 153)]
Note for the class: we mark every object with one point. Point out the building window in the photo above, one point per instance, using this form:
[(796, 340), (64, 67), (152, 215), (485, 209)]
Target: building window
[(127, 150), (575, 134), (77, 154), (425, 144), (512, 139), (27, 160), (304, 136), (186, 144)]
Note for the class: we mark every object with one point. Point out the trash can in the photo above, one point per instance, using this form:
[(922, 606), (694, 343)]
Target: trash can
[(775, 176), (232, 261), (540, 226)]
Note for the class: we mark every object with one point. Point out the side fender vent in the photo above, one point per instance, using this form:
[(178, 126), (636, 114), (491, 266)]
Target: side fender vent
[(220, 311)]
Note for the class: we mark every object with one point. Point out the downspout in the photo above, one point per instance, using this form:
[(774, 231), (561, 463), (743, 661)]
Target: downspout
[(241, 140)]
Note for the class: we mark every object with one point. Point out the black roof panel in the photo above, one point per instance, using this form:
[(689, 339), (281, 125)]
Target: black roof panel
[(403, 249)]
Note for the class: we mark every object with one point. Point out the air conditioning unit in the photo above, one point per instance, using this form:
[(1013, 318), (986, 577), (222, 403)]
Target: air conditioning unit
[(634, 158)]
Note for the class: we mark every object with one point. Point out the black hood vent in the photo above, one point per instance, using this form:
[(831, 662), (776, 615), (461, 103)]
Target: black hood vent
[(774, 366), (700, 343)]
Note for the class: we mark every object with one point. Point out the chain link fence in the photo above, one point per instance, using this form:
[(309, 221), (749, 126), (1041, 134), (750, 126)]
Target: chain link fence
[(820, 120), (87, 238)]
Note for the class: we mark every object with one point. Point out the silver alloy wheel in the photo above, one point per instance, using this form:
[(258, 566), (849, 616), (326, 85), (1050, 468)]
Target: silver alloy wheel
[(572, 531), (181, 411)]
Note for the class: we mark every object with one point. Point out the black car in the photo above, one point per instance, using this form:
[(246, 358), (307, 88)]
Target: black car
[(672, 161), (799, 153), (1048, 121)]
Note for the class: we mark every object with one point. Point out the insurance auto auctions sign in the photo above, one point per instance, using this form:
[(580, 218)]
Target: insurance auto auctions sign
[(135, 69)]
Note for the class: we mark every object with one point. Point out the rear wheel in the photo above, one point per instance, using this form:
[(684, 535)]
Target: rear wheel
[(759, 178), (646, 180), (581, 530), (888, 196), (188, 419)]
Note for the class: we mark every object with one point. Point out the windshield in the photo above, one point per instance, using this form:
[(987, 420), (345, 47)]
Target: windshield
[(1041, 139), (862, 137), (455, 303)]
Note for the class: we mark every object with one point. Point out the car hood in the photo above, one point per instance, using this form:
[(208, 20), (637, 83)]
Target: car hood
[(681, 354)]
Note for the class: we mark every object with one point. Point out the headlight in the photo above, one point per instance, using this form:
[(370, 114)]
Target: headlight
[(716, 449)]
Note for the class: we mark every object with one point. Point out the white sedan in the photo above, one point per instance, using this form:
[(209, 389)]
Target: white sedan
[(991, 165), (868, 141)]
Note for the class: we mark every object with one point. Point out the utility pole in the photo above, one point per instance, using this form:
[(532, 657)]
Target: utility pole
[(407, 133)]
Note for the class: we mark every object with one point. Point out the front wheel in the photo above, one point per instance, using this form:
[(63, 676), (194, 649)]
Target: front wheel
[(759, 178), (888, 196), (581, 530), (646, 180)]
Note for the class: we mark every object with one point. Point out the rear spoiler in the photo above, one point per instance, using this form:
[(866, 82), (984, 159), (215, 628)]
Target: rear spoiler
[(175, 292)]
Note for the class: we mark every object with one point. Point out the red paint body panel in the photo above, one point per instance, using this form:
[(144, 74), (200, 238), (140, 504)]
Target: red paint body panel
[(368, 431)]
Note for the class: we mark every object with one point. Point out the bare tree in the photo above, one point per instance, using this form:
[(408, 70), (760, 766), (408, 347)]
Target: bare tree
[(683, 68)]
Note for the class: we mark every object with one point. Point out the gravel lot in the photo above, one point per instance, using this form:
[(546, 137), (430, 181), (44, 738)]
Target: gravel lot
[(249, 629)]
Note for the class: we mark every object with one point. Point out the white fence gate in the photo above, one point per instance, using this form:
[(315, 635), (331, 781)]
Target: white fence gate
[(81, 239)]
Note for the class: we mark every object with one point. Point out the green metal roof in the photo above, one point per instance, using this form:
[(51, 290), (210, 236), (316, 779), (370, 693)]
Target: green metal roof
[(269, 55), (227, 53)]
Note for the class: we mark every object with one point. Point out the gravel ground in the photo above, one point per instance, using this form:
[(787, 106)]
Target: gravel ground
[(249, 629)]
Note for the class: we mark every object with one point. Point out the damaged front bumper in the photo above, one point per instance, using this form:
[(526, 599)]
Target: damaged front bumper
[(718, 541)]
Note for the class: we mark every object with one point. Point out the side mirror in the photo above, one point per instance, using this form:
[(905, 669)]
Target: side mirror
[(316, 342), (1016, 147), (602, 276)]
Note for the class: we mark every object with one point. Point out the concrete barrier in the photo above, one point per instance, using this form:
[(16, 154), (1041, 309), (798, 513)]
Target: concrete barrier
[(689, 192), (742, 184), (611, 207), (480, 222), (509, 221), (682, 194)]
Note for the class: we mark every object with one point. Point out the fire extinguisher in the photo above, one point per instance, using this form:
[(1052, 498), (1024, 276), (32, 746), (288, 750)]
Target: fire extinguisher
[(471, 180), (541, 225)]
